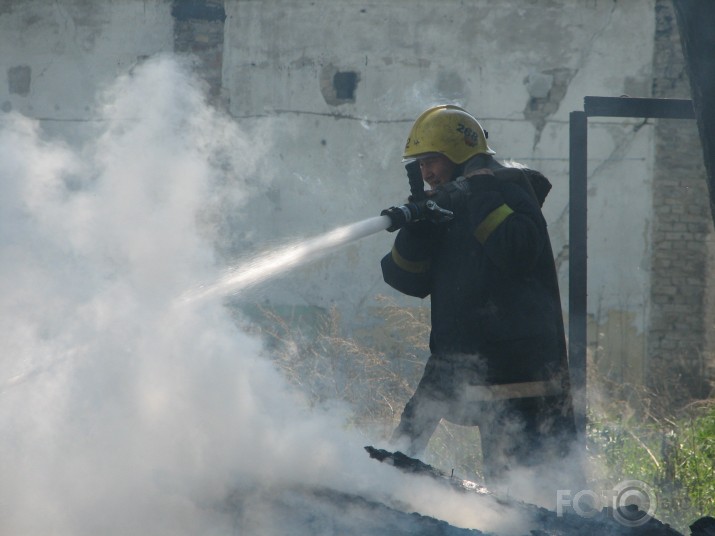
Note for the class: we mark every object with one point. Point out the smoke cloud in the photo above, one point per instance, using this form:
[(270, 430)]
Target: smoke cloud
[(123, 409)]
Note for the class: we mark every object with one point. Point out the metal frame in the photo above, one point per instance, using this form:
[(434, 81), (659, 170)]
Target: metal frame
[(578, 210)]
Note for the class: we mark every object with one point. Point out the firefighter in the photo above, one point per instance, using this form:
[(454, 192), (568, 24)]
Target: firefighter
[(482, 253)]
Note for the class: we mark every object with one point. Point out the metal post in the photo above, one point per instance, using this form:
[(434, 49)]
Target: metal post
[(578, 195), (578, 263)]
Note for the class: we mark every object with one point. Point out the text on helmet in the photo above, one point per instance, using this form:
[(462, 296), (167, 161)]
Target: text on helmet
[(471, 137)]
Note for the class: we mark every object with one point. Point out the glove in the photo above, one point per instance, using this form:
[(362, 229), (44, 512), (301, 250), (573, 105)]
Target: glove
[(437, 206), (417, 185), (451, 196)]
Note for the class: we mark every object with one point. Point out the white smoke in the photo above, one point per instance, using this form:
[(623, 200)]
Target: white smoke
[(117, 409), (124, 410)]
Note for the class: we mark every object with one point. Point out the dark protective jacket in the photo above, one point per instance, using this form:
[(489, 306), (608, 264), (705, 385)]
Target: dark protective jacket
[(491, 276)]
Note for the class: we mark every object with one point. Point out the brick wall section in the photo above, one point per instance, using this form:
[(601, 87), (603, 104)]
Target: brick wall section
[(679, 350), (198, 32)]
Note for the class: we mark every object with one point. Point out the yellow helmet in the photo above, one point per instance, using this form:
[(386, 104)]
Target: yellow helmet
[(449, 130)]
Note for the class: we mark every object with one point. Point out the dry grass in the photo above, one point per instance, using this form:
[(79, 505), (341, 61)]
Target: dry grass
[(635, 432), (374, 370)]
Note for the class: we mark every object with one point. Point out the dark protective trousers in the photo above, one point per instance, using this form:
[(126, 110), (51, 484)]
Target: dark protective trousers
[(514, 432)]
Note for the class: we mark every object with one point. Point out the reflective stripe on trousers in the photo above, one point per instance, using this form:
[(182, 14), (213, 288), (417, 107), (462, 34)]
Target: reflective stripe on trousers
[(483, 393)]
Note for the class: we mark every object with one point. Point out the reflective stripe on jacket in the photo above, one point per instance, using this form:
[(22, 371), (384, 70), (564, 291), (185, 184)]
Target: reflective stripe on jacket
[(492, 280)]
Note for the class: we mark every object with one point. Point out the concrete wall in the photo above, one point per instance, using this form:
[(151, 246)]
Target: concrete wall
[(69, 50), (519, 66)]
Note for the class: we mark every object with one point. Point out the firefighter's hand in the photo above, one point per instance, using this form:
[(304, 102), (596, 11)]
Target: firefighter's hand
[(451, 196)]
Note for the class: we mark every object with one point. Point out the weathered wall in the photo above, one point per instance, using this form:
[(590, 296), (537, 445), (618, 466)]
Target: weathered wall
[(55, 56), (199, 34), (520, 67), (338, 83)]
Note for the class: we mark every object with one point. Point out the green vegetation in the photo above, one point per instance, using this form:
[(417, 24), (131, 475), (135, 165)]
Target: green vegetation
[(674, 454)]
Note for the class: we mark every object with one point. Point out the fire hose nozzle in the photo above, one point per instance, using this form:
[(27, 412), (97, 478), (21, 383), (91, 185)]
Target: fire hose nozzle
[(423, 210)]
